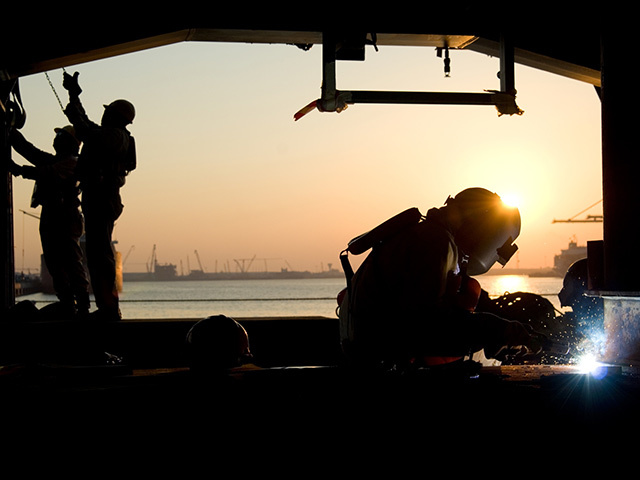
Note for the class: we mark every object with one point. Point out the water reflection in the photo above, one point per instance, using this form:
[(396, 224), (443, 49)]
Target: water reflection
[(511, 283), (497, 285)]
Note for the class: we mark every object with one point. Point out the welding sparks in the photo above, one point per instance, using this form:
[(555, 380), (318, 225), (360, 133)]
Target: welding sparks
[(588, 364)]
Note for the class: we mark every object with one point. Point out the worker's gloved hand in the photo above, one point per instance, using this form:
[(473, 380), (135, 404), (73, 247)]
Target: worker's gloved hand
[(514, 339), (14, 168), (70, 83)]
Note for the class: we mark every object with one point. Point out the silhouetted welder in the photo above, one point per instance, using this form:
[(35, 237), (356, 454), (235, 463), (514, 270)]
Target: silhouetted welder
[(61, 224), (569, 334), (411, 301), (539, 314), (108, 155), (587, 311)]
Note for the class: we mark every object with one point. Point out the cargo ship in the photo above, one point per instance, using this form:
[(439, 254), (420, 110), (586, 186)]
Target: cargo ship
[(568, 256)]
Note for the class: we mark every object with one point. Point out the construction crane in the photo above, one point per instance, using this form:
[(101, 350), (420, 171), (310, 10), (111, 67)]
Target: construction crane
[(266, 268), (244, 267), (588, 219), (199, 262), (152, 261), (240, 262), (128, 253)]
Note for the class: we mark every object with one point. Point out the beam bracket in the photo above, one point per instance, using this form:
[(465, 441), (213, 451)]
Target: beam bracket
[(334, 100)]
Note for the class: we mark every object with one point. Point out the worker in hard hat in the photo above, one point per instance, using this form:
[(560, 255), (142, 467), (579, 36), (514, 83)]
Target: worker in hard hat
[(108, 155), (586, 312), (411, 301), (61, 224), (574, 292), (216, 344)]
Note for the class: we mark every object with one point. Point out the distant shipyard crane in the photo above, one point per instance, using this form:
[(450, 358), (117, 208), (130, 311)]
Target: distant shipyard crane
[(240, 262), (244, 264), (152, 261), (588, 219), (131, 249), (199, 262)]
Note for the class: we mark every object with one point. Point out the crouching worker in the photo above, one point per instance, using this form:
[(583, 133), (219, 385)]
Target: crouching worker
[(411, 302)]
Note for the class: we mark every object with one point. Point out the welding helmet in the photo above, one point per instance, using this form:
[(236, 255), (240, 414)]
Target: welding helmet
[(217, 342), (488, 228), (574, 284)]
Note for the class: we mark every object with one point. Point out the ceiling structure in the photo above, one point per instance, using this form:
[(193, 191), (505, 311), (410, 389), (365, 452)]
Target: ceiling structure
[(49, 46)]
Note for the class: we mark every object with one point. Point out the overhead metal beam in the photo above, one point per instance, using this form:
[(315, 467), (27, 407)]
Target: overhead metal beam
[(540, 61), (334, 100)]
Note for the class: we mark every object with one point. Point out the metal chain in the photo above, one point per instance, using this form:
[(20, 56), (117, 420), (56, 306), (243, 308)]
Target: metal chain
[(54, 89)]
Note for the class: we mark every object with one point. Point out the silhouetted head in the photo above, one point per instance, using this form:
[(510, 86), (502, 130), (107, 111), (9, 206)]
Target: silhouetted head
[(65, 141), (587, 309), (574, 284), (118, 113), (217, 343), (484, 228)]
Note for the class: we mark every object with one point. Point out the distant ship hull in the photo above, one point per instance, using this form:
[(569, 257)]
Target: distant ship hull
[(567, 257)]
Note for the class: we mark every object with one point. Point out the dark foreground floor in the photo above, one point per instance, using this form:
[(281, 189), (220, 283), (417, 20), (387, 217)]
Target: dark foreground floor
[(302, 403), (323, 399)]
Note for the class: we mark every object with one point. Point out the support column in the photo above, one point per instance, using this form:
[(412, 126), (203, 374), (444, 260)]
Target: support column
[(621, 200), (7, 288), (620, 167)]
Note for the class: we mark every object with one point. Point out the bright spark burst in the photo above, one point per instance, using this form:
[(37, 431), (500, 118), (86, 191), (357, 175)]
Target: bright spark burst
[(588, 364)]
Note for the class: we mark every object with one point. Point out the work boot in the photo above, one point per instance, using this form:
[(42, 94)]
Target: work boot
[(106, 315), (82, 306), (82, 313)]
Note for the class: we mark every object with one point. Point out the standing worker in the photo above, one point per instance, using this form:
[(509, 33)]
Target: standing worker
[(108, 155), (412, 300), (56, 190)]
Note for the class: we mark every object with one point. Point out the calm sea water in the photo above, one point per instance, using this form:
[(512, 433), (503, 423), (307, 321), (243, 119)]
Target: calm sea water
[(264, 298)]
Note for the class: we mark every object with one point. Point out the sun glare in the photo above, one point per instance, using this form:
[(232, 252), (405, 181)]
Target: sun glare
[(511, 200), (510, 283)]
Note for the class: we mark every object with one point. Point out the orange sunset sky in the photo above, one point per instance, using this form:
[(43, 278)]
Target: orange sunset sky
[(225, 170)]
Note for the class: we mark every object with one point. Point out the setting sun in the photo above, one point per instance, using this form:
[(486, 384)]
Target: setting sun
[(511, 199)]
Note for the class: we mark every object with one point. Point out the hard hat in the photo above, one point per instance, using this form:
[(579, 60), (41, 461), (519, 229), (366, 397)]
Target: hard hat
[(217, 342), (487, 231), (124, 108), (68, 129), (574, 283)]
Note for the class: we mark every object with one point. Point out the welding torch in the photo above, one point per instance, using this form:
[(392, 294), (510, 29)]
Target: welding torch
[(546, 346), (549, 346)]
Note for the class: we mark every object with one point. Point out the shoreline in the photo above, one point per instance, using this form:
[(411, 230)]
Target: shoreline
[(150, 277)]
